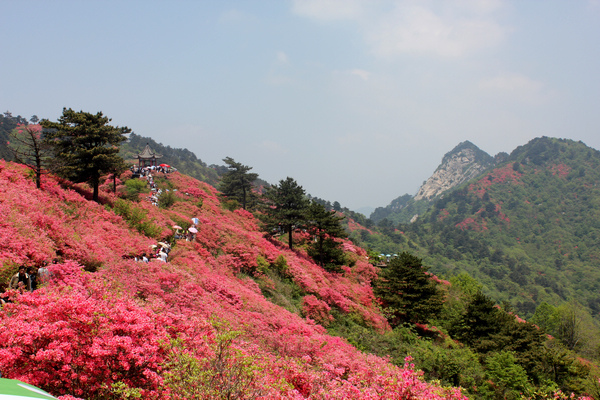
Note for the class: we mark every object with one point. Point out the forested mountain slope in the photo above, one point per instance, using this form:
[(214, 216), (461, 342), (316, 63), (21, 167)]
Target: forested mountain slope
[(466, 161), (527, 229), (183, 159)]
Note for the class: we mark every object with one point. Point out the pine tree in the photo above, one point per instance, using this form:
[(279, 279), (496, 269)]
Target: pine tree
[(406, 289), (480, 324), (85, 146), (237, 183), (325, 227), (285, 208)]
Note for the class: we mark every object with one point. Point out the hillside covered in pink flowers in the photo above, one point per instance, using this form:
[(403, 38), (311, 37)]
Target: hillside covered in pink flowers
[(211, 322)]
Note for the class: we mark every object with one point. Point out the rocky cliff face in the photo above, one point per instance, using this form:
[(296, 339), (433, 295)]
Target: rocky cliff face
[(464, 162)]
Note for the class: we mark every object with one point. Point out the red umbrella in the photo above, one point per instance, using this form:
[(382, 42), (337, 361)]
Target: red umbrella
[(165, 165)]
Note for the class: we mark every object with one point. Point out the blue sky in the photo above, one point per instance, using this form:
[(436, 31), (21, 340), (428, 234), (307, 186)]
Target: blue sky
[(358, 100)]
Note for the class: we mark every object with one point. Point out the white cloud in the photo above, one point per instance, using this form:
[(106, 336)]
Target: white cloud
[(479, 6), (282, 58), (516, 86), (361, 73), (327, 10), (353, 73), (276, 76), (419, 30), (394, 27)]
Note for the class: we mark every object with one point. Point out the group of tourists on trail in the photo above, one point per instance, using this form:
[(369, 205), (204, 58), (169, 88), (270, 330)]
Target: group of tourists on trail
[(146, 173), (161, 250), (29, 278)]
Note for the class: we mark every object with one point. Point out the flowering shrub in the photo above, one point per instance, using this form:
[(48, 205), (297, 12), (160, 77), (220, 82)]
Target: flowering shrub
[(129, 327), (316, 309), (70, 342)]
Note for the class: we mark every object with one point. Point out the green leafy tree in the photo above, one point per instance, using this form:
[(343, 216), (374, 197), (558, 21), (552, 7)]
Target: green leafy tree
[(576, 329), (506, 378), (562, 367), (545, 317), (85, 145), (285, 208), (406, 289), (326, 227), (28, 147), (237, 183)]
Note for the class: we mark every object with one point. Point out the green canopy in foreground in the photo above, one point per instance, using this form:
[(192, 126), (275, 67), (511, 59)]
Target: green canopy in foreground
[(11, 389)]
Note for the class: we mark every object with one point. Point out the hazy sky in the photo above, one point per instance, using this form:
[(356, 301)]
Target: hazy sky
[(358, 100)]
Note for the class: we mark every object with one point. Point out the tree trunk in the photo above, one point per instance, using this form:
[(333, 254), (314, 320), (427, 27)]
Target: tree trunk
[(95, 184)]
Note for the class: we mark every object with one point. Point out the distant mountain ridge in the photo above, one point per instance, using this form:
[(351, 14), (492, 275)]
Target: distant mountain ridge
[(466, 161), (527, 227)]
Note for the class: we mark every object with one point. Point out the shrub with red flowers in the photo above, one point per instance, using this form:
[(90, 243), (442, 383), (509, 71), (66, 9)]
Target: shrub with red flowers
[(128, 328), (71, 342)]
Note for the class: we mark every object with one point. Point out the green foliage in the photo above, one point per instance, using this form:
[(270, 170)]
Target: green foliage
[(228, 373), (278, 286), (85, 146), (237, 183), (280, 266), (262, 265), (443, 361), (135, 187), (479, 324), (285, 208), (121, 391), (506, 379), (136, 218), (468, 285), (230, 205), (167, 199), (407, 290), (7, 123), (527, 229), (325, 227), (576, 329), (401, 210)]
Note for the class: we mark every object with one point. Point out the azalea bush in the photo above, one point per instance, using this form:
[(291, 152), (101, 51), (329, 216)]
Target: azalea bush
[(142, 330), (71, 342)]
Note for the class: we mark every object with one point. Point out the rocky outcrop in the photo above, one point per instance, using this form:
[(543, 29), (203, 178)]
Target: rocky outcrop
[(464, 162)]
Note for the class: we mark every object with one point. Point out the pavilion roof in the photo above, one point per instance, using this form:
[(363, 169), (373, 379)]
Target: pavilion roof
[(148, 153)]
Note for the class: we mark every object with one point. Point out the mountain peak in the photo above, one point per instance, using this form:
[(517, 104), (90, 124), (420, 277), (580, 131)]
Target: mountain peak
[(462, 163)]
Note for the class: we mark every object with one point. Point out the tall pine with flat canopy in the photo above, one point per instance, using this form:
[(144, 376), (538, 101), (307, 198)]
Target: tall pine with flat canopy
[(325, 226), (85, 145), (237, 183), (285, 208)]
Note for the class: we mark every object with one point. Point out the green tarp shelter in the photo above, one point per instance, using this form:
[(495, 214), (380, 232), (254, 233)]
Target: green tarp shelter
[(11, 389)]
